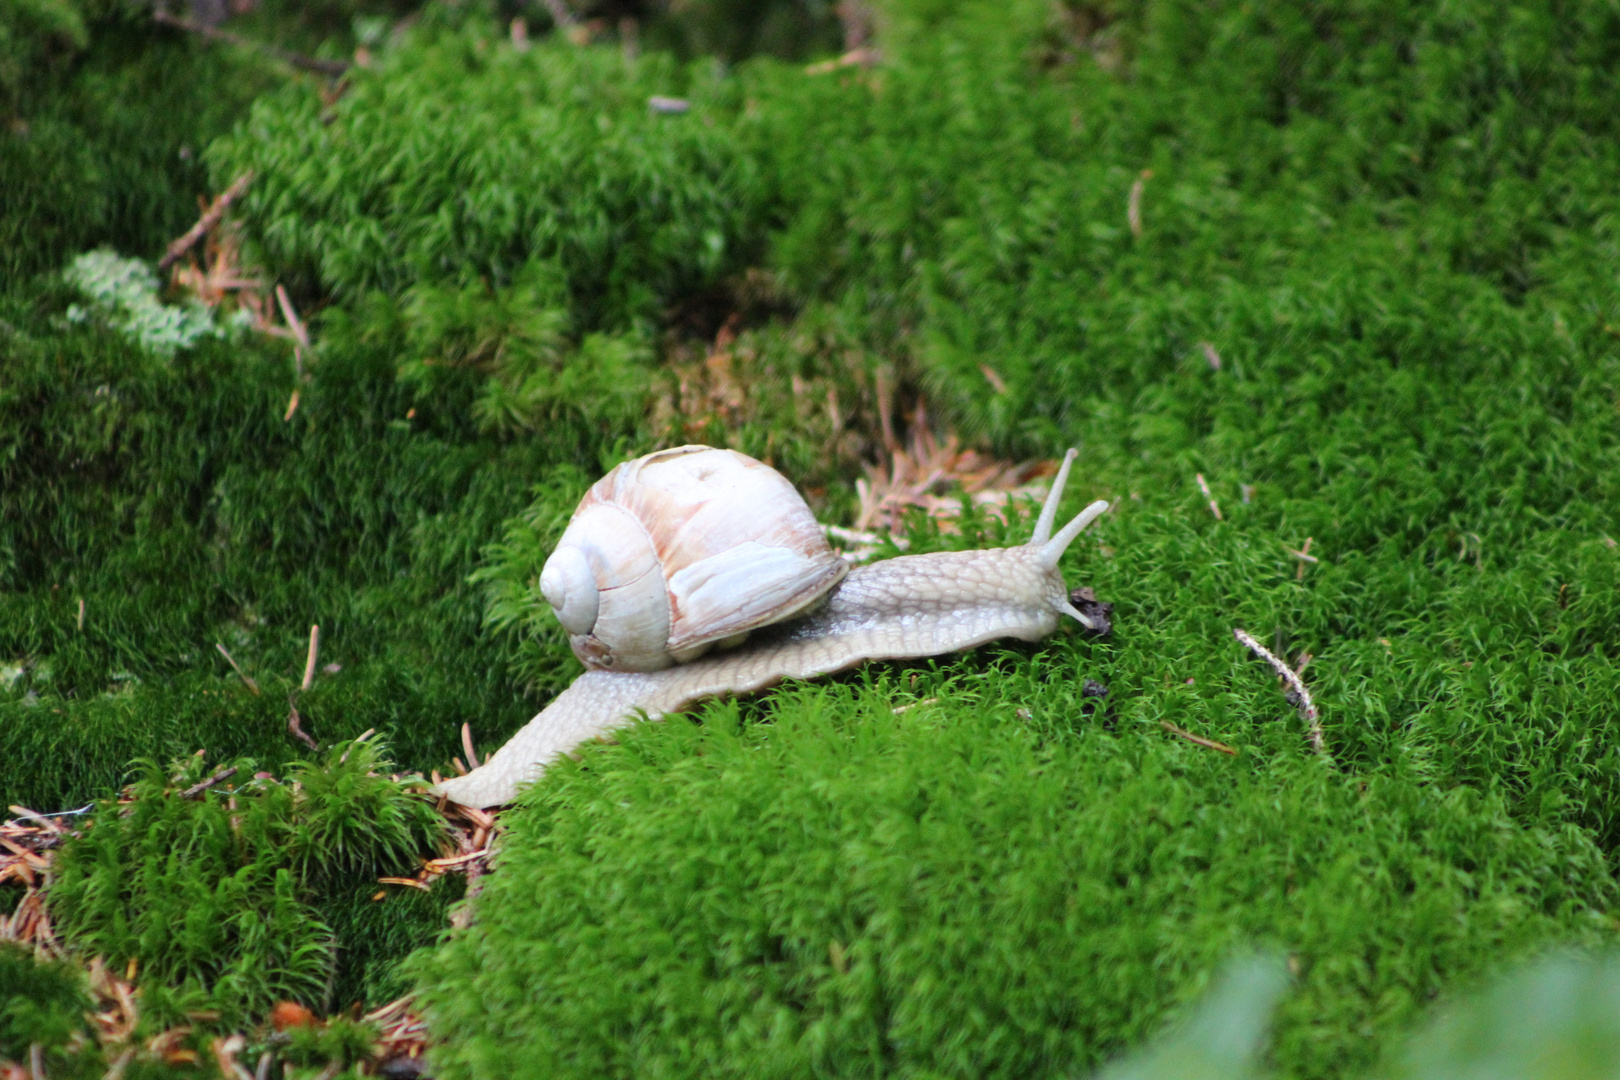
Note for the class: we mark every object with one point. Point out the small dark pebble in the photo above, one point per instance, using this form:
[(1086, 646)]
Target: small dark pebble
[(403, 1068), (1098, 612)]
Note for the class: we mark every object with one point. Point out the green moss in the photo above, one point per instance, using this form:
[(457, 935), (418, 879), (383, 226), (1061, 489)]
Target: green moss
[(211, 895), (44, 1003), (1393, 226), (951, 892), (461, 159), (102, 147)]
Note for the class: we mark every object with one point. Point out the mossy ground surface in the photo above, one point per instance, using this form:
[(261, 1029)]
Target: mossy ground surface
[(1394, 226)]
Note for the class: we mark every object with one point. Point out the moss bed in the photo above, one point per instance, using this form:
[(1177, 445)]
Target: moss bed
[(1355, 265)]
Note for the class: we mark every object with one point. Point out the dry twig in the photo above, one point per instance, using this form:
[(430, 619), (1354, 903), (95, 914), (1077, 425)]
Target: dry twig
[(251, 685), (1133, 207), (1214, 507), (297, 60), (1304, 556), (210, 218), (300, 337), (1307, 707), (295, 724), (1198, 739), (203, 785), (309, 662)]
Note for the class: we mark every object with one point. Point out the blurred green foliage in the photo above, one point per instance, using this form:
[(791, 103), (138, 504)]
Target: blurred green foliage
[(42, 1003)]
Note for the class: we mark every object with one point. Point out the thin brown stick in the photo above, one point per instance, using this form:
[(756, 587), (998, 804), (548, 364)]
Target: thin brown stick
[(1199, 739), (81, 614), (1307, 707), (210, 218), (309, 662), (467, 745), (294, 323), (251, 685), (295, 725), (297, 60), (203, 785), (1214, 507), (1304, 556), (300, 340), (362, 737), (1133, 208)]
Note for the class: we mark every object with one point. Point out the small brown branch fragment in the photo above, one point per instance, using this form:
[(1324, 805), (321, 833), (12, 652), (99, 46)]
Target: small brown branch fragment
[(410, 881), (309, 662), (467, 745), (1211, 355), (300, 336), (362, 737), (439, 866), (297, 60), (1304, 556), (1307, 707), (1133, 209), (861, 57), (1214, 507), (1199, 739), (247, 679), (994, 378), (225, 1051), (81, 614), (210, 218), (203, 785), (295, 725)]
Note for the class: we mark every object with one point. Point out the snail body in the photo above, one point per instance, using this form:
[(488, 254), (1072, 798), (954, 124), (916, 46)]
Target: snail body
[(903, 608)]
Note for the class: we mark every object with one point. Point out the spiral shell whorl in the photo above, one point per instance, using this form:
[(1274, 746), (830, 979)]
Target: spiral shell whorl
[(680, 550)]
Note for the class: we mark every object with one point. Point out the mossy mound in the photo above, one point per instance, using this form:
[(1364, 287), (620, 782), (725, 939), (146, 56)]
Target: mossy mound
[(946, 892)]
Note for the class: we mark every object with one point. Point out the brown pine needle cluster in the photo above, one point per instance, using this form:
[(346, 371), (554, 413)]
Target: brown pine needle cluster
[(935, 475)]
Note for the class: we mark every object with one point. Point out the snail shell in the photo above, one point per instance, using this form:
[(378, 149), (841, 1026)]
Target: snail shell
[(674, 553)]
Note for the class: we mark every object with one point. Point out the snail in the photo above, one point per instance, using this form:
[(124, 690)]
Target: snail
[(694, 573)]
